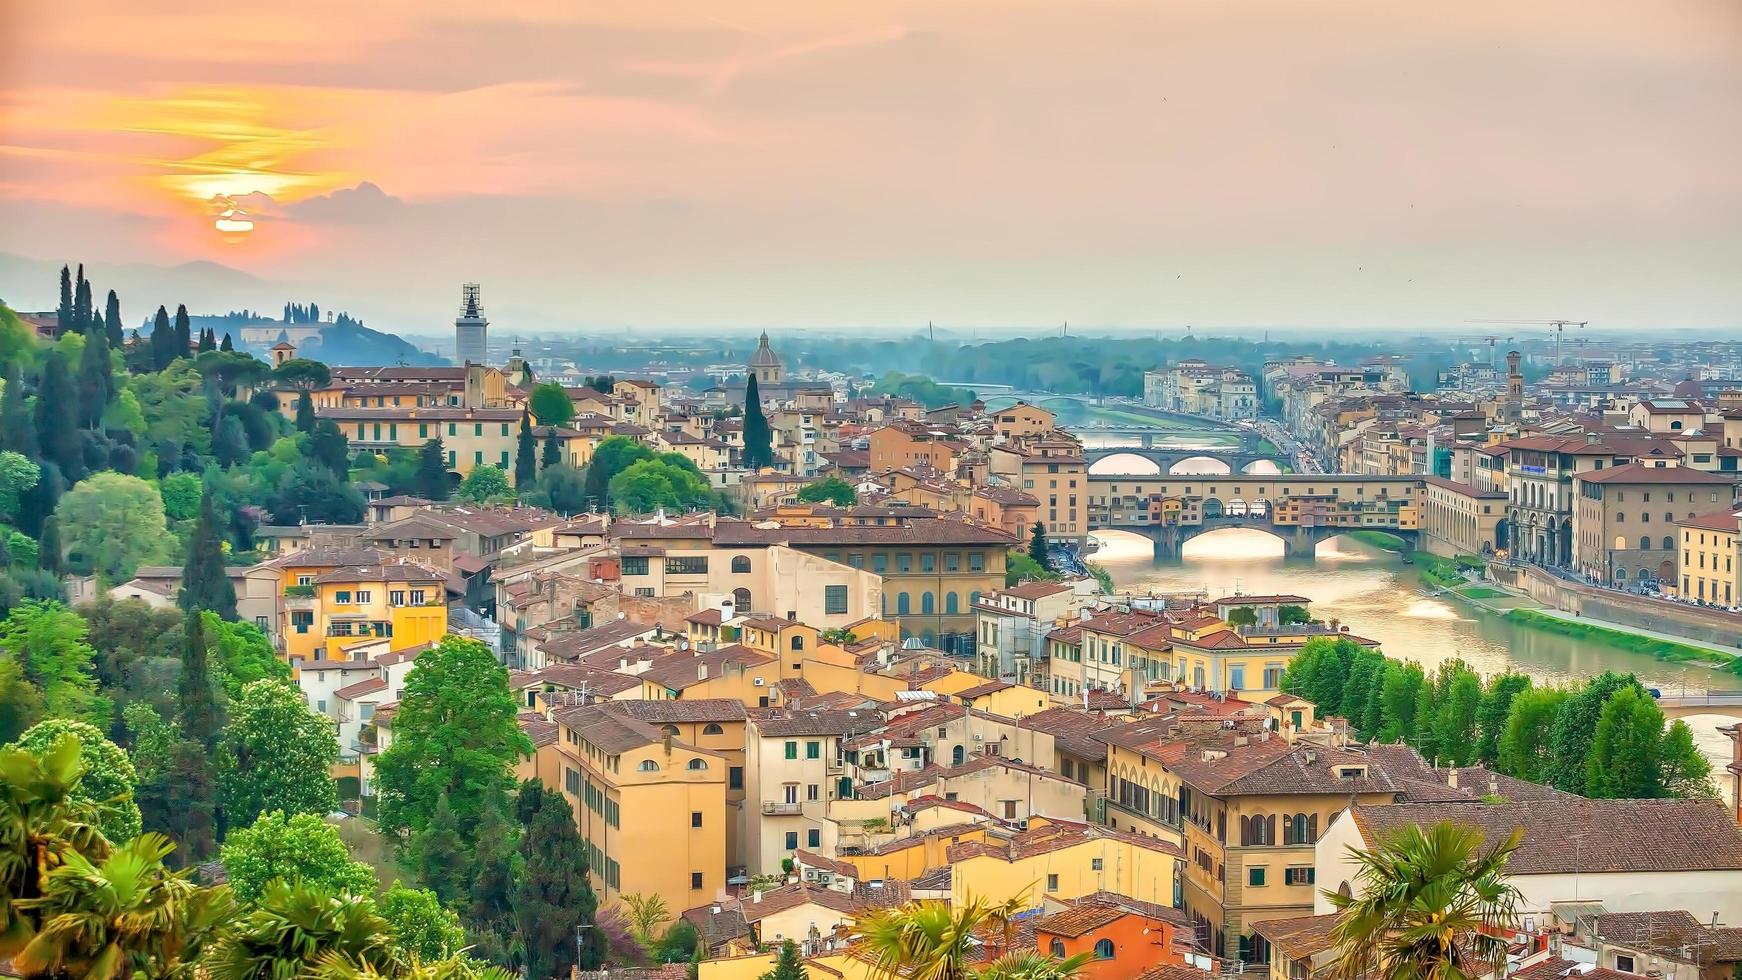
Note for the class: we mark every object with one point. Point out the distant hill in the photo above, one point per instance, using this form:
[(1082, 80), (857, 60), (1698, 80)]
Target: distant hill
[(345, 342), (32, 284)]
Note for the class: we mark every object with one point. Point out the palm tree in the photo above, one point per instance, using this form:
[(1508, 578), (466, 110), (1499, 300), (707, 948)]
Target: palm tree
[(457, 967), (125, 914), (1032, 964), (42, 823), (930, 940), (1428, 906), (645, 913), (294, 927)]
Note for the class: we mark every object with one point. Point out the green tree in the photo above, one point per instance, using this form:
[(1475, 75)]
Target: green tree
[(758, 436), (439, 856), (679, 944), (1626, 760), (1427, 904), (832, 490), (1455, 732), (525, 460), (552, 452), (1242, 616), (162, 341), (111, 524), (1366, 673), (420, 925), (1575, 727), (1037, 549), (550, 404), (646, 913), (300, 848), (302, 374), (456, 735), (275, 754), (205, 582), (21, 703), (613, 455), (489, 916), (64, 318), (305, 412), (787, 964), (432, 482), (184, 339), (1289, 615), (326, 444), (934, 940), (293, 928), (1496, 707), (47, 643), (57, 417), (17, 475), (1684, 772), (1524, 751), (554, 903), (112, 321), (108, 780), (198, 714), (484, 483), (1019, 568), (561, 488), (181, 493), (659, 483), (1398, 694), (243, 654), (17, 430), (96, 384)]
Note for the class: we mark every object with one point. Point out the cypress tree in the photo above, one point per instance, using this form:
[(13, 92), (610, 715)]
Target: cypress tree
[(36, 505), (63, 314), (758, 438), (554, 899), (82, 302), (432, 471), (57, 418), (207, 341), (553, 450), (525, 460), (112, 322), (198, 707), (787, 966), (96, 379), (48, 549), (1037, 545), (184, 337), (305, 412), (205, 583), (162, 340), (17, 431), (227, 346)]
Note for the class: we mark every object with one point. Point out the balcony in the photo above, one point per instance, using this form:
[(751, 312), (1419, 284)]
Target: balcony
[(770, 809)]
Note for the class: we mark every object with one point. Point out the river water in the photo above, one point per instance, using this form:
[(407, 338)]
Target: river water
[(1377, 596)]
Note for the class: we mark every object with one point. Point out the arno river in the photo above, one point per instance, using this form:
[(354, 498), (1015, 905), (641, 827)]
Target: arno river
[(1377, 596)]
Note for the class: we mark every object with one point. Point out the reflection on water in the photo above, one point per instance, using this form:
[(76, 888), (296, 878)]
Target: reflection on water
[(1378, 597)]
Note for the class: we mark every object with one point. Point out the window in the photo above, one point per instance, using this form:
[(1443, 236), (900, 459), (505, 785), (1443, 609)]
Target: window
[(813, 838), (812, 792), (342, 598), (712, 729), (1056, 948), (647, 765), (1095, 864), (695, 881), (1623, 963), (792, 750), (835, 600), (880, 563), (1255, 877), (695, 818), (976, 561), (1104, 949), (635, 565), (572, 781), (792, 840), (813, 750), (903, 605), (1297, 876), (798, 641), (1052, 883), (698, 765), (735, 777), (740, 564), (694, 565), (904, 563)]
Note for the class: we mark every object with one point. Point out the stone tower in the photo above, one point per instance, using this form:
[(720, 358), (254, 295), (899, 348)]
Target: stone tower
[(471, 330)]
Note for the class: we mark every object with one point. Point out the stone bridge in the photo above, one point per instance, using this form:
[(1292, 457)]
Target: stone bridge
[(1236, 459), (1298, 541), (1727, 703)]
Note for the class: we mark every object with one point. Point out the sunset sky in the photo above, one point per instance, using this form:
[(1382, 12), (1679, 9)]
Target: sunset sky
[(1222, 163)]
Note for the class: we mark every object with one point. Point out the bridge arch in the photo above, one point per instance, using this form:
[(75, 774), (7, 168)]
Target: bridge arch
[(1261, 467), (1197, 466), (1125, 464)]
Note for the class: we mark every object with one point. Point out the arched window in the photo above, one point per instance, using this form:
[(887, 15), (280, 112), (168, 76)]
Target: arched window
[(798, 643), (950, 603), (902, 604), (1299, 821), (974, 598), (1675, 425), (647, 765), (1620, 543), (697, 765), (740, 564), (713, 729), (741, 601), (670, 730), (1620, 574), (1644, 543), (928, 603), (1668, 543), (1104, 949), (958, 755), (1056, 948)]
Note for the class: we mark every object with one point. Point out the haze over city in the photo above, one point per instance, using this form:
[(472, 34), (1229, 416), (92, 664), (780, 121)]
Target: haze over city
[(689, 166)]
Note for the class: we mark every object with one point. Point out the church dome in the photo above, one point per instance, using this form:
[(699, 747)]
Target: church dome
[(764, 356)]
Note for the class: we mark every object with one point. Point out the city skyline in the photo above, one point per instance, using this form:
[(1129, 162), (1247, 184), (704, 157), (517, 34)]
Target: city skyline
[(1130, 165)]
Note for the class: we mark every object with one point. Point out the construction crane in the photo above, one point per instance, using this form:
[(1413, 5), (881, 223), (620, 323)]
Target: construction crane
[(1558, 327)]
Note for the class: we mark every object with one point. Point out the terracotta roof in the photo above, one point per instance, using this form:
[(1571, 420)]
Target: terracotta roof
[(981, 690), (1072, 731), (1548, 969), (682, 711), (781, 724), (1033, 590), (792, 896), (811, 859), (1299, 937), (1724, 520), (685, 671), (1672, 934), (537, 729), (1080, 919), (1271, 766), (1170, 971), (609, 730), (369, 685), (395, 572), (1051, 837), (1592, 836), (1634, 473), (575, 677)]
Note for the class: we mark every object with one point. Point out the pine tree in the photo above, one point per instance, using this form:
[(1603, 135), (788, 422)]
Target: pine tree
[(57, 418), (82, 302), (112, 322), (162, 340), (758, 437), (63, 314), (525, 460), (1037, 545), (198, 707), (787, 966), (184, 338), (439, 856), (554, 900), (305, 412), (490, 917), (96, 378), (17, 431), (227, 346), (553, 450), (205, 583), (432, 481)]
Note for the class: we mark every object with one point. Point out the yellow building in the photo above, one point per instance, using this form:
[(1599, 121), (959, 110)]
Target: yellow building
[(1060, 861), (404, 603), (470, 436), (713, 724), (1710, 558), (651, 808)]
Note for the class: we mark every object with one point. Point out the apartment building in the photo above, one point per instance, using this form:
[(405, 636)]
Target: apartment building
[(1013, 623), (767, 579), (1060, 861), (1053, 470), (1709, 557), (1624, 523), (471, 436), (792, 768), (1459, 519)]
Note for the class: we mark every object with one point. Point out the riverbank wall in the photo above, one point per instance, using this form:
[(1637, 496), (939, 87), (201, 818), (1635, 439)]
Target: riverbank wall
[(1679, 619)]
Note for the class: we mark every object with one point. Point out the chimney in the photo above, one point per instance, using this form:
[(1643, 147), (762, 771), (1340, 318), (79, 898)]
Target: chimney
[(701, 672), (756, 898), (1452, 777), (668, 743)]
